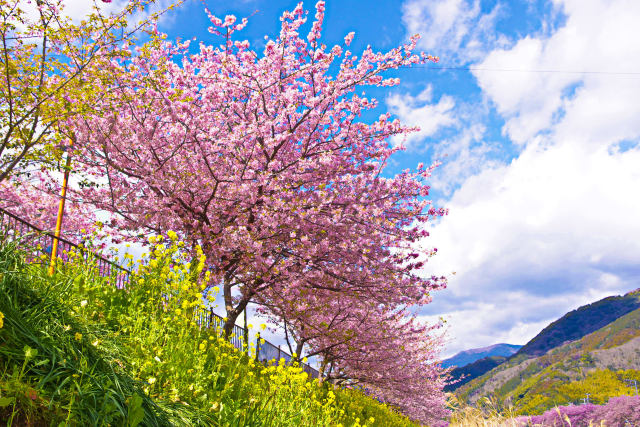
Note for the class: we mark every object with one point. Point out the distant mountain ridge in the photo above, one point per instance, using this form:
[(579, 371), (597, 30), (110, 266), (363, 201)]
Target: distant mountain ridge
[(573, 326), (599, 364), (469, 356), (580, 322), (463, 374)]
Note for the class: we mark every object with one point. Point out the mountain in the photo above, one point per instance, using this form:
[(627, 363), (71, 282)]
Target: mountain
[(580, 322), (469, 356), (602, 364), (464, 374)]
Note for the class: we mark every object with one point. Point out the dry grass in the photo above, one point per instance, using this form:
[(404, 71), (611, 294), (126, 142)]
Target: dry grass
[(488, 414)]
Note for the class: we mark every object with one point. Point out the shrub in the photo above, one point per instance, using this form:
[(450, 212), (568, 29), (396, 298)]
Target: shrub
[(619, 411)]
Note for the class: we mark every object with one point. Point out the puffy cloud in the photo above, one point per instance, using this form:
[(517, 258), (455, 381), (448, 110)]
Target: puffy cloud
[(597, 39), (454, 29), (557, 226), (557, 221), (463, 155), (419, 111)]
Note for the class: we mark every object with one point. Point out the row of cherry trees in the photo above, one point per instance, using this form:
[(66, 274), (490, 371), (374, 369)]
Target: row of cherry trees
[(47, 64), (263, 159)]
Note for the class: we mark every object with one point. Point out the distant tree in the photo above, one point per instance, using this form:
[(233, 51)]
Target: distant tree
[(362, 343), (618, 411)]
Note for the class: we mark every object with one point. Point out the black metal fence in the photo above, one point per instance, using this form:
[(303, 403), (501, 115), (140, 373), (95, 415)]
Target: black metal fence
[(37, 242), (38, 245), (206, 318), (267, 351)]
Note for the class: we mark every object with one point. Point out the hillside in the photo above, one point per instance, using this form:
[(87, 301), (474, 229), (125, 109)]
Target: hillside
[(597, 364), (76, 350), (580, 322), (466, 373), (572, 326), (469, 356)]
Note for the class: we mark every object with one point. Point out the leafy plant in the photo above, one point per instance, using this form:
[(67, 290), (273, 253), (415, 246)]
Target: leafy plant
[(77, 350)]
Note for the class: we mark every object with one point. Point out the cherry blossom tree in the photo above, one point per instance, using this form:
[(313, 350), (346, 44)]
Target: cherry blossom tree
[(397, 362), (263, 160), (34, 197), (361, 343), (45, 61)]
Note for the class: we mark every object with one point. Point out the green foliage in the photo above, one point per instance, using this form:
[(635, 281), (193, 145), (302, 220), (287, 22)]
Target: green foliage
[(358, 409), (541, 395), (47, 352), (77, 350)]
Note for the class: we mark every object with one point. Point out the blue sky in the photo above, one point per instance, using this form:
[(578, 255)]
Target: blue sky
[(533, 110)]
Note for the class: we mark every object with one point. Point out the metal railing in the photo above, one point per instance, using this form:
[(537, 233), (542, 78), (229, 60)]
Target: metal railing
[(206, 318), (38, 242), (264, 352), (268, 351)]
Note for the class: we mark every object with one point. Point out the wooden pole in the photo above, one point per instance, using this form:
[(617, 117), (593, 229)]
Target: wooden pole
[(246, 330), (63, 198)]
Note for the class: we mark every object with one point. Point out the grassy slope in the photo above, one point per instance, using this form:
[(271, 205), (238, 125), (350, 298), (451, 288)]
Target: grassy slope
[(595, 364), (76, 350)]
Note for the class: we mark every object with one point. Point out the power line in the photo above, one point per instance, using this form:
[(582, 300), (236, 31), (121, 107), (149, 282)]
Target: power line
[(516, 70)]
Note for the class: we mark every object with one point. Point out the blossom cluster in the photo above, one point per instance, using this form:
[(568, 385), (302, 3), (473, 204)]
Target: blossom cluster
[(619, 411)]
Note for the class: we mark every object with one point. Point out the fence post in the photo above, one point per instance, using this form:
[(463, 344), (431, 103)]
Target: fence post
[(63, 198), (246, 332), (278, 353)]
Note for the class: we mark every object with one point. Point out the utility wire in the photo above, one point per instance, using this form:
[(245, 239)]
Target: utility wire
[(515, 70)]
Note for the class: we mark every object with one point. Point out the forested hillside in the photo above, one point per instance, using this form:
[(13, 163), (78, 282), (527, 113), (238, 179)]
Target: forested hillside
[(596, 365), (580, 322)]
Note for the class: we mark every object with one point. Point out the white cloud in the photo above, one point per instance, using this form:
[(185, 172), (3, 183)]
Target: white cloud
[(557, 227), (419, 111), (462, 156), (78, 10), (530, 215), (451, 29), (598, 36)]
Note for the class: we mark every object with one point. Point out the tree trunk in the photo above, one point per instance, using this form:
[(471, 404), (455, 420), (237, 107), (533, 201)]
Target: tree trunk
[(246, 331), (298, 355), (323, 366), (232, 314)]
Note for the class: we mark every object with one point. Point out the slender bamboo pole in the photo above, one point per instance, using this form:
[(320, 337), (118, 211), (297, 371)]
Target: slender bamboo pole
[(63, 198)]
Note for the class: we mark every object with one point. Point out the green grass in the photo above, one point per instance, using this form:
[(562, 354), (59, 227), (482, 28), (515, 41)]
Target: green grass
[(75, 350)]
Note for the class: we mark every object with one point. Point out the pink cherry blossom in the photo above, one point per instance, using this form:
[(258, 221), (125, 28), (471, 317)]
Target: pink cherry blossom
[(263, 160)]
